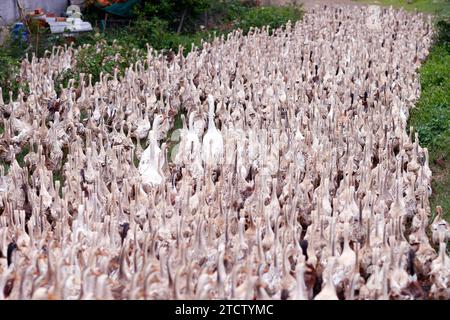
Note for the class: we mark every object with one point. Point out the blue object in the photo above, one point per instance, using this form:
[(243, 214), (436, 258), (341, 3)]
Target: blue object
[(19, 32)]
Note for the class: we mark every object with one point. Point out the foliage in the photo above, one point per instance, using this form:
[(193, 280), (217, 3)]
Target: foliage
[(11, 53), (443, 31), (153, 26), (150, 31), (103, 57), (172, 11), (222, 12), (274, 17)]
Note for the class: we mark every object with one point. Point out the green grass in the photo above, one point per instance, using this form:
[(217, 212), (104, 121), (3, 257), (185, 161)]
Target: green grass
[(431, 116), (20, 157), (429, 6)]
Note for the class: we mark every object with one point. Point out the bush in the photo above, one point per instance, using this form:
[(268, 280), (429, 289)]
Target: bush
[(443, 32), (11, 53), (103, 57), (174, 12), (274, 17), (222, 12)]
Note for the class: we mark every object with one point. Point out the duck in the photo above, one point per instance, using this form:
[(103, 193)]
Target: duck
[(439, 226), (212, 143), (328, 291), (152, 160)]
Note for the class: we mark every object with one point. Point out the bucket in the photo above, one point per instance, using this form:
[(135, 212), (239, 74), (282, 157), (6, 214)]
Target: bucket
[(19, 32)]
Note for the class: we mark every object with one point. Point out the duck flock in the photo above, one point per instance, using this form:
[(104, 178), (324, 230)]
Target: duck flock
[(293, 175)]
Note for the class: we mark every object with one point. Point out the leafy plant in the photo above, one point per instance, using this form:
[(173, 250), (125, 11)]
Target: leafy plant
[(175, 13), (274, 17), (11, 53)]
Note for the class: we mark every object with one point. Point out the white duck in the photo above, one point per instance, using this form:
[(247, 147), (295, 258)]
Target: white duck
[(190, 146), (212, 146), (152, 160)]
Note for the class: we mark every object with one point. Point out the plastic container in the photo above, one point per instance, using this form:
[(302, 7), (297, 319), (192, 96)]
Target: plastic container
[(50, 19), (19, 32)]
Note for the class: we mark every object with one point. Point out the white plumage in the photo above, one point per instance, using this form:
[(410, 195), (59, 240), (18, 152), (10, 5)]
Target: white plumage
[(212, 146)]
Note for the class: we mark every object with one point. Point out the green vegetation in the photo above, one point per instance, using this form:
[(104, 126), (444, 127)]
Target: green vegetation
[(92, 61), (268, 16), (10, 56), (431, 116), (20, 157)]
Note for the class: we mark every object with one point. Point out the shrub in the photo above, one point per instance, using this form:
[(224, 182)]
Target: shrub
[(11, 53), (274, 17), (103, 57)]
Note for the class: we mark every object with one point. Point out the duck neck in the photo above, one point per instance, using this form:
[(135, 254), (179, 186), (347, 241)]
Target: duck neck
[(346, 240), (241, 232), (191, 121), (211, 117), (329, 283), (301, 283), (442, 250)]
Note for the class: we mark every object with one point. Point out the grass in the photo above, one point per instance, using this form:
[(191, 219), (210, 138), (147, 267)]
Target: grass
[(431, 119), (429, 6), (20, 157)]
